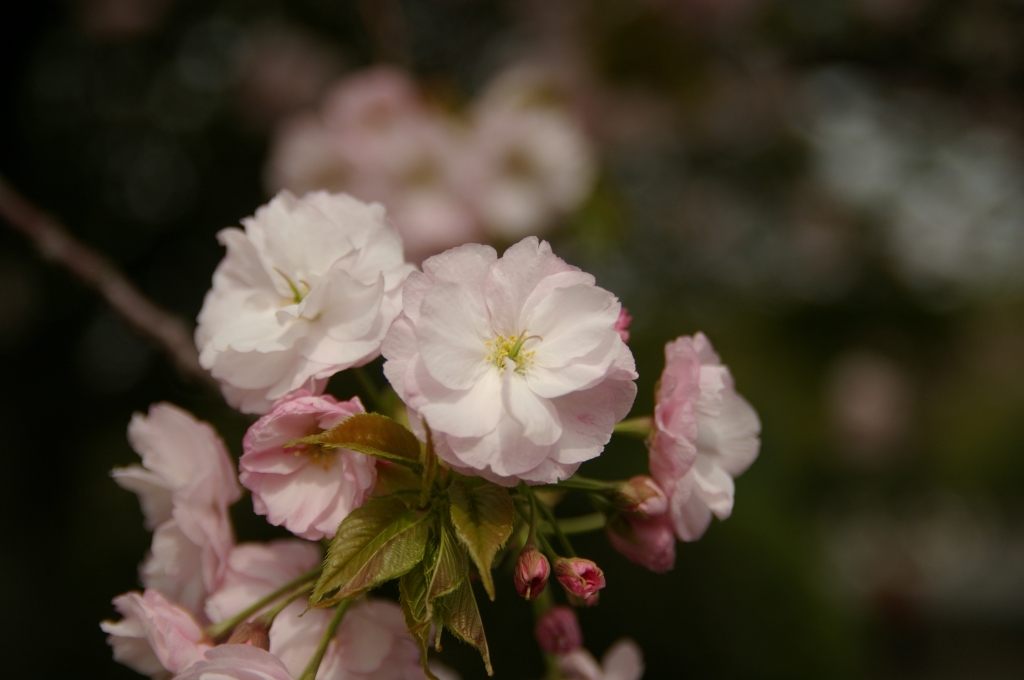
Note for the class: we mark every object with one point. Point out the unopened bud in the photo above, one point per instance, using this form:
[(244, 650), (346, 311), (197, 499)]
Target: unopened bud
[(579, 577), (251, 633), (531, 572), (641, 495), (622, 324), (558, 631), (649, 542)]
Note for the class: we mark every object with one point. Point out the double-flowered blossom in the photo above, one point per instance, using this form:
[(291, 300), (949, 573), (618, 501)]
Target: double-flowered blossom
[(513, 362), (308, 289), (155, 636), (705, 434), (237, 662), (185, 484), (306, 488), (622, 661), (647, 541)]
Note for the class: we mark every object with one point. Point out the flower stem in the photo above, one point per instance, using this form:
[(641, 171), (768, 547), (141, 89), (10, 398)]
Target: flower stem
[(219, 630), (268, 616), (583, 523), (367, 384), (314, 663), (587, 484), (563, 539), (635, 427)]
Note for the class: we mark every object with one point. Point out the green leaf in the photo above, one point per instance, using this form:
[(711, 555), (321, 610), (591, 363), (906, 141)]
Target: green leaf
[(458, 613), (413, 591), (392, 478), (377, 542), (483, 517), (451, 566), (372, 434)]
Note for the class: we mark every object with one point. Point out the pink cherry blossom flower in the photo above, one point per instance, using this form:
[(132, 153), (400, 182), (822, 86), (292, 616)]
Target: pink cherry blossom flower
[(237, 662), (641, 495), (185, 484), (649, 542), (306, 488), (579, 577), (558, 631), (155, 635), (531, 573), (307, 290), (705, 434), (514, 363), (622, 661)]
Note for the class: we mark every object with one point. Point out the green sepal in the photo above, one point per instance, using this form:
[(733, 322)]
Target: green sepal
[(458, 612), (483, 517), (372, 434), (377, 542)]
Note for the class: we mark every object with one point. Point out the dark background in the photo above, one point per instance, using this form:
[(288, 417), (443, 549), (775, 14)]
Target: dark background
[(879, 534)]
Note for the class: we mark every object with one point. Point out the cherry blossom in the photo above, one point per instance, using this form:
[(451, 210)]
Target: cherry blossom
[(622, 661), (514, 363), (649, 542), (531, 573), (558, 631), (155, 635), (705, 434), (308, 289), (305, 488), (185, 484)]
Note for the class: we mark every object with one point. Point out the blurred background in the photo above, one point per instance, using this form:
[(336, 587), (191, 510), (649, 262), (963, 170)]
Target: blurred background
[(832, 190)]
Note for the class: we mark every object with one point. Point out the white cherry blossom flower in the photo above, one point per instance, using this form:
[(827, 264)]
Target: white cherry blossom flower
[(308, 289), (514, 363)]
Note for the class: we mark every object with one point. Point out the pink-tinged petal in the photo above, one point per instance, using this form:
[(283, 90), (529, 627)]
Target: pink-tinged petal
[(255, 570), (588, 418), (650, 542), (713, 486), (294, 635), (175, 638), (363, 642), (550, 471), (571, 323), (537, 416), (580, 665), (154, 492), (174, 567), (466, 413), (343, 306), (690, 516), (399, 348), (623, 661), (237, 662), (452, 334), (513, 279), (733, 436)]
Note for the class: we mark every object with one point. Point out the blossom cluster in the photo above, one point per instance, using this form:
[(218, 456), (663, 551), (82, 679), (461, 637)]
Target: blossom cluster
[(510, 371), (511, 166)]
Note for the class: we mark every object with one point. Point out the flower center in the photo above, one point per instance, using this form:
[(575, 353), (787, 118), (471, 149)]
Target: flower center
[(502, 348), (318, 455), (297, 293)]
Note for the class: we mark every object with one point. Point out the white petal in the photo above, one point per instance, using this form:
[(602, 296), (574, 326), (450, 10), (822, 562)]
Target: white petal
[(537, 415), (713, 486), (571, 322), (452, 333), (461, 413)]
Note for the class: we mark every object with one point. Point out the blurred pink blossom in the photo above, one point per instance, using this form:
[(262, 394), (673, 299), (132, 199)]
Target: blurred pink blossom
[(622, 661), (185, 484), (641, 495), (622, 325), (155, 635), (305, 488), (558, 631), (705, 434)]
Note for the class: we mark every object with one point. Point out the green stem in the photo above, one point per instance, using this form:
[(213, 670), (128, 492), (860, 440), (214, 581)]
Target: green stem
[(636, 427), (563, 539), (268, 616), (587, 484), (367, 384), (533, 512), (583, 523), (332, 628), (219, 630)]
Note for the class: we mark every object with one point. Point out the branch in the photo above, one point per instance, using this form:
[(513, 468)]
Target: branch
[(56, 244)]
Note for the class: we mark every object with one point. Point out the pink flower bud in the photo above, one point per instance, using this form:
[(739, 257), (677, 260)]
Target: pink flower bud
[(531, 572), (558, 631), (641, 495), (579, 577), (622, 324), (650, 542), (251, 633)]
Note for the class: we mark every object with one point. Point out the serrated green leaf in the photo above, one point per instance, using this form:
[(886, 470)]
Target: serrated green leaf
[(372, 434), (482, 516), (458, 612), (412, 588), (450, 568), (377, 542)]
